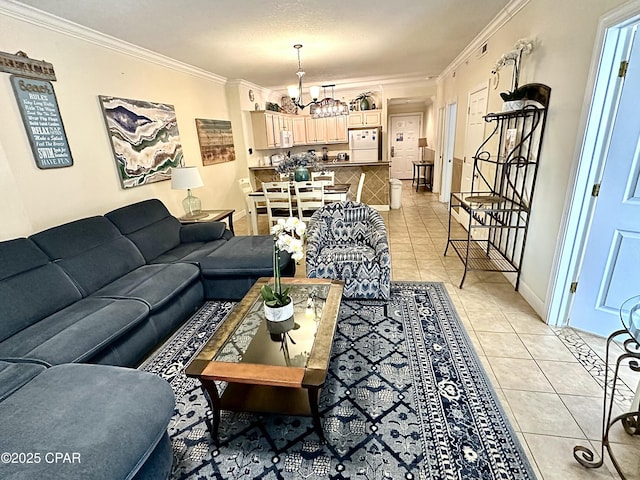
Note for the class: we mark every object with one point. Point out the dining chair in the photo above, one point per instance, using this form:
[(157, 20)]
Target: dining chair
[(327, 177), (260, 207), (360, 185), (309, 197), (278, 198)]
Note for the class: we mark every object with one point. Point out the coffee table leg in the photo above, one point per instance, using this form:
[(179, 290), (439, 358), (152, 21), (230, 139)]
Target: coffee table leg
[(314, 395), (211, 392)]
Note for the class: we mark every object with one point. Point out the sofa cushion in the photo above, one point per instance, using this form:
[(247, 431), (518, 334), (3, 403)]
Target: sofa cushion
[(202, 232), (112, 418), (15, 375), (77, 332), (30, 286), (155, 285), (92, 251), (251, 254), (189, 252), (230, 271), (149, 225)]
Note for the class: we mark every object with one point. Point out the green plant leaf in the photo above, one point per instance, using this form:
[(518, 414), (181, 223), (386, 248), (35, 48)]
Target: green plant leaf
[(267, 293)]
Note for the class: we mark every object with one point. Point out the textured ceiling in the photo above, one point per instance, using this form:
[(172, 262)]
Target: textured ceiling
[(345, 41)]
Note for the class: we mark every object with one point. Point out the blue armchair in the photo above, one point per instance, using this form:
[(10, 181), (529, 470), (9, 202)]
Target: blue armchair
[(348, 241)]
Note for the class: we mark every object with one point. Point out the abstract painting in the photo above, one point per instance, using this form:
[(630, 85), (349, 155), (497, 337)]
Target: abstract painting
[(145, 139), (216, 141)]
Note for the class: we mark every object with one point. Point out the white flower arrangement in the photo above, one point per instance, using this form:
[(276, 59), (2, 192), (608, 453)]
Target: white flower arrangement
[(524, 46), (287, 236), (282, 231)]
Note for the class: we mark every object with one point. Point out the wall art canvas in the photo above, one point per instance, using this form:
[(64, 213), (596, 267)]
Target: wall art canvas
[(216, 141), (144, 137)]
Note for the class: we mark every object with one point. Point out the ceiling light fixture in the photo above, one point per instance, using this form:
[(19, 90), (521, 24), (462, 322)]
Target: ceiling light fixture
[(327, 107)]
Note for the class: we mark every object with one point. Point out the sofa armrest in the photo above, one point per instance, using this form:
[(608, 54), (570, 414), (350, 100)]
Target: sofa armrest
[(316, 236), (202, 232)]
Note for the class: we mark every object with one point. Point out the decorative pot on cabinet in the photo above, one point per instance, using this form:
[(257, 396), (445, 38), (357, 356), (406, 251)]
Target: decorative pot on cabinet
[(511, 105), (301, 174)]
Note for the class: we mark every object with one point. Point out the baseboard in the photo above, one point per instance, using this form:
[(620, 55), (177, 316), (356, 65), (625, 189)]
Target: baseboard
[(532, 299)]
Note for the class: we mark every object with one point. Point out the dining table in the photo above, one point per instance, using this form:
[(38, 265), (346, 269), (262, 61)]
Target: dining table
[(332, 193)]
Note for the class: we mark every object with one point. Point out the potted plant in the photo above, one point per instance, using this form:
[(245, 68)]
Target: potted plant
[(514, 99), (287, 236), (363, 98), (299, 164)]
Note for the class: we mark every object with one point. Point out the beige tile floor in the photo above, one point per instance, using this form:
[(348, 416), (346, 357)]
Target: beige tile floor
[(549, 380)]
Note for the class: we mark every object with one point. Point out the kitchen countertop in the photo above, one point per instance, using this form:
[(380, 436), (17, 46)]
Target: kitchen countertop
[(330, 164)]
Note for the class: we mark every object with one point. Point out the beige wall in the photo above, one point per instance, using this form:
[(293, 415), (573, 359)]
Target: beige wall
[(565, 33), (33, 199)]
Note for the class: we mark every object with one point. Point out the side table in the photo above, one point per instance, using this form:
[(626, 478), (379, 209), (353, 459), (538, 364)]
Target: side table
[(630, 336), (422, 174), (210, 216)]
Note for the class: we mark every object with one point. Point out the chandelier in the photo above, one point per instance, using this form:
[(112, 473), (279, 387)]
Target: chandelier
[(327, 107)]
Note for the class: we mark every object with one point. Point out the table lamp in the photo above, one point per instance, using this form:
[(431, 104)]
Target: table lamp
[(186, 178), (422, 143)]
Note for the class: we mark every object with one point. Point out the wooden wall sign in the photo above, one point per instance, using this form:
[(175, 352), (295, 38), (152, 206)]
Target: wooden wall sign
[(21, 64), (42, 121)]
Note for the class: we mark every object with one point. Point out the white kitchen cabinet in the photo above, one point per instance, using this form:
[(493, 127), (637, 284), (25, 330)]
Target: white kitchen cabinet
[(316, 130), (266, 129), (337, 129), (299, 130), (365, 118)]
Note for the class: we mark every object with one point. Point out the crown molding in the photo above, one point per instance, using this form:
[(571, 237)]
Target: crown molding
[(239, 82), (42, 19), (506, 14)]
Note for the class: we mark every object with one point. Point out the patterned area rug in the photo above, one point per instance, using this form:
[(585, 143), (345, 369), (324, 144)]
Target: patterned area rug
[(406, 398)]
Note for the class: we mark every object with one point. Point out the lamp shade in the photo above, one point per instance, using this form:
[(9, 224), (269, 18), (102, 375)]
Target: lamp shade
[(293, 91), (184, 178), (314, 92), (422, 142)]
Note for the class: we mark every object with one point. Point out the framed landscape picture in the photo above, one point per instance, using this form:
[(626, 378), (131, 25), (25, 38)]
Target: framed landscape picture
[(216, 141), (144, 138)]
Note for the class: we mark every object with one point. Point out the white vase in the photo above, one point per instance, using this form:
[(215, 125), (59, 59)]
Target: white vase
[(511, 105), (279, 314)]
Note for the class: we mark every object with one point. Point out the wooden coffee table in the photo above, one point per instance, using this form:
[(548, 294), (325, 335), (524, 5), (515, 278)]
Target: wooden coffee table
[(271, 372)]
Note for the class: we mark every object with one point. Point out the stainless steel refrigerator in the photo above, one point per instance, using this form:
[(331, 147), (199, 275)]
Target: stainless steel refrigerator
[(365, 144)]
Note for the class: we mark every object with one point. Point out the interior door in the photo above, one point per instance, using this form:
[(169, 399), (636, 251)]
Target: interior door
[(474, 137), (475, 132), (609, 273), (405, 131), (448, 146)]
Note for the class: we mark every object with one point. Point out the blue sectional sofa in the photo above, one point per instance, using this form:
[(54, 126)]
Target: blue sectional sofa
[(107, 290), (77, 421)]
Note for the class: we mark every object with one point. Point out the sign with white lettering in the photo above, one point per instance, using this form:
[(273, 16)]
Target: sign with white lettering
[(42, 121)]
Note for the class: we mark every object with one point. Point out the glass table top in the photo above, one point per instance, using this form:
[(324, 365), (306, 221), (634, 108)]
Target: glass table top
[(630, 316), (252, 341)]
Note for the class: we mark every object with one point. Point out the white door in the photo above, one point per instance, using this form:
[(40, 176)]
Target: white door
[(475, 132), (438, 166), (474, 136), (447, 149), (405, 131), (611, 262)]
